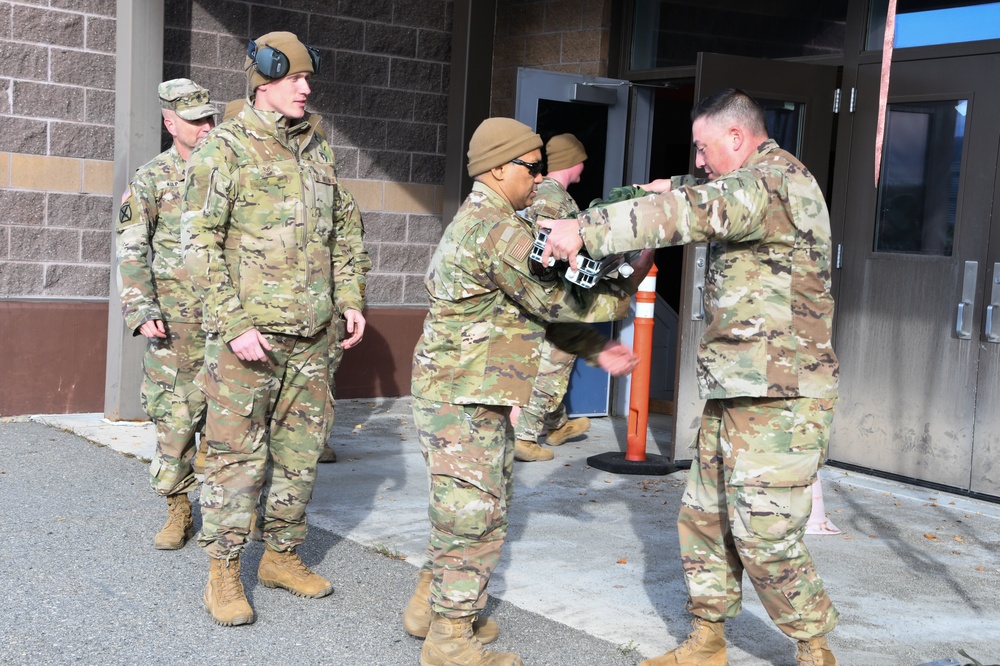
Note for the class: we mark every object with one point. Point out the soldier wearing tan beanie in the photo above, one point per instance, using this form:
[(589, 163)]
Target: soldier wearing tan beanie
[(477, 358), (545, 410)]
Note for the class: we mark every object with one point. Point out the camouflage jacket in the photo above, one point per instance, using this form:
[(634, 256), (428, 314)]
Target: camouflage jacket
[(150, 217), (552, 202), (768, 306), (271, 240), (488, 311)]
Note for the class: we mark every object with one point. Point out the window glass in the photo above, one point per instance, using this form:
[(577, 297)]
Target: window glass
[(927, 22), (918, 183), (670, 33)]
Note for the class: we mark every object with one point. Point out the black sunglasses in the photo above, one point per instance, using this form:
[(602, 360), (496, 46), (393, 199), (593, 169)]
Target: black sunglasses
[(534, 168)]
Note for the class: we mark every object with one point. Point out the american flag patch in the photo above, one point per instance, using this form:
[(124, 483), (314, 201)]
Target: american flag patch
[(519, 250), (128, 192)]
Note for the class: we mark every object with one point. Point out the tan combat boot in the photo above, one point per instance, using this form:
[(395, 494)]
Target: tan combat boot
[(528, 451), (198, 462), (569, 430), (224, 596), (327, 455), (179, 526), (815, 652), (286, 570), (705, 646), (450, 642), (417, 614)]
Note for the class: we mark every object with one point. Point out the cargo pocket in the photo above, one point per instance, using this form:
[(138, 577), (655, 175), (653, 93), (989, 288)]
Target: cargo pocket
[(157, 385), (773, 493)]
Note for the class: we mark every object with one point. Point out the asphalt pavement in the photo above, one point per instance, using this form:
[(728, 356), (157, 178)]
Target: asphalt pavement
[(590, 575)]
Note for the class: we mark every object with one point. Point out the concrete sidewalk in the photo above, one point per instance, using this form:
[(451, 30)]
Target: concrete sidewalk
[(915, 574)]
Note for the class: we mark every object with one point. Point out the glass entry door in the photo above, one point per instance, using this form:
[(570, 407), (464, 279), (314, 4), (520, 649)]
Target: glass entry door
[(919, 382)]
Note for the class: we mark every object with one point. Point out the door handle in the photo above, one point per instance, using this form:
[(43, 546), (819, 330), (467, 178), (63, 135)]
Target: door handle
[(963, 323), (994, 304), (698, 282)]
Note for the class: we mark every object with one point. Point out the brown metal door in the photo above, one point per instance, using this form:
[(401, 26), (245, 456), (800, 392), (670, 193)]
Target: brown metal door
[(798, 99), (913, 299)]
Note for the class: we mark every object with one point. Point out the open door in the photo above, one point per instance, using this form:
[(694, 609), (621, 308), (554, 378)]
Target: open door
[(798, 99), (596, 111)]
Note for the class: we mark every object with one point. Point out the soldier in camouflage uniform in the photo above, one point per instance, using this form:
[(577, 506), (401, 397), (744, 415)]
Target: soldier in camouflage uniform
[(159, 303), (477, 357), (274, 246), (564, 157), (338, 330), (765, 364)]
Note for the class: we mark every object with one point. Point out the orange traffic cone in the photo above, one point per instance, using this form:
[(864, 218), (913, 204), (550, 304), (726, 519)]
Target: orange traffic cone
[(818, 522)]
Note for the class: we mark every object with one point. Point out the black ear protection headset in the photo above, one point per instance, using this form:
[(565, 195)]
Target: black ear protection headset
[(272, 63)]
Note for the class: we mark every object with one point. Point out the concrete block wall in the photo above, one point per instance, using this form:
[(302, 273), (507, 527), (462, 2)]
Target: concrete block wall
[(383, 92), (57, 73), (569, 36)]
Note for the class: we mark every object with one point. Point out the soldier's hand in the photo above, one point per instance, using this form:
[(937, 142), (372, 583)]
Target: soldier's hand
[(659, 186), (250, 346), (563, 242), (153, 329), (355, 328), (617, 359)]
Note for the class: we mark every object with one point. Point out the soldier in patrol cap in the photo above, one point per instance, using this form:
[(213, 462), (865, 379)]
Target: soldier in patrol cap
[(159, 303), (274, 247), (477, 357), (765, 365), (564, 158)]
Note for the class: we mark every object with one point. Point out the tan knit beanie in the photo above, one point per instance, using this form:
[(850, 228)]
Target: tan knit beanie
[(563, 151), (287, 43), (497, 141)]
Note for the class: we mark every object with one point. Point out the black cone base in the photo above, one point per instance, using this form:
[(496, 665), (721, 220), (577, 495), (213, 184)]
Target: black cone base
[(614, 462)]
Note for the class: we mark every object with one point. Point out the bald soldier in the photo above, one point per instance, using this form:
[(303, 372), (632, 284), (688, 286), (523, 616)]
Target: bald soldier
[(159, 303), (765, 365), (478, 356), (269, 235)]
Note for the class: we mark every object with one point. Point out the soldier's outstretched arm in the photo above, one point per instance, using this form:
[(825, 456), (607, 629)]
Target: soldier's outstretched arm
[(729, 208), (505, 258)]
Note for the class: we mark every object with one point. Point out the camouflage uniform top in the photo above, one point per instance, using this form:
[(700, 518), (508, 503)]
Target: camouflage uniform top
[(552, 202), (271, 240), (150, 216), (769, 310), (486, 322)]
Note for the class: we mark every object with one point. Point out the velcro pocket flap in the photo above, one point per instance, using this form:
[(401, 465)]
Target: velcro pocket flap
[(776, 470), (235, 398)]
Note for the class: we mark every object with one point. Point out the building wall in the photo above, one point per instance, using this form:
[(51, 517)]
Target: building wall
[(383, 92), (569, 36)]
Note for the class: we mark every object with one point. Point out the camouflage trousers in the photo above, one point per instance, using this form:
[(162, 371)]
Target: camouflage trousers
[(469, 450), (265, 428), (545, 407), (175, 405), (746, 507)]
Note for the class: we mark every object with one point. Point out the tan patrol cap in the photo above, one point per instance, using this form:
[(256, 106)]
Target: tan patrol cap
[(186, 98)]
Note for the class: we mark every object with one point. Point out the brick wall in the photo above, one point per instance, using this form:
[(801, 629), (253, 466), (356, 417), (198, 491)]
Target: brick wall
[(382, 91), (57, 76), (569, 36)]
